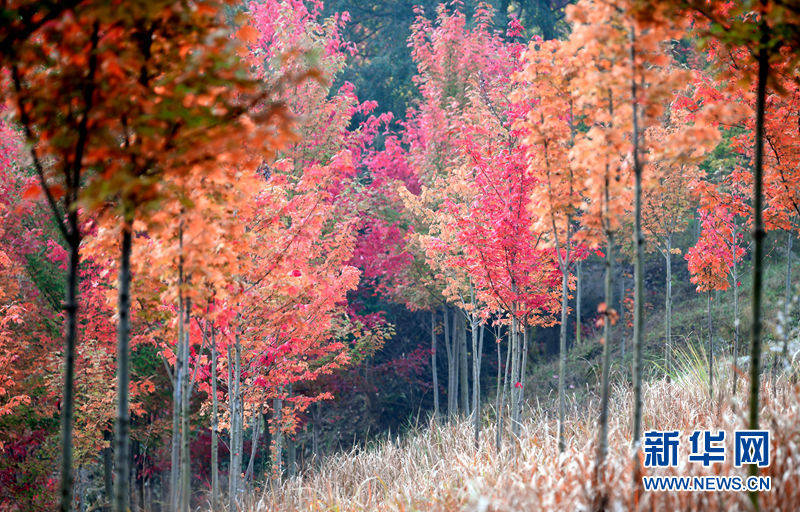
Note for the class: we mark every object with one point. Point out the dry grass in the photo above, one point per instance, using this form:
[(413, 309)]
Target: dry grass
[(438, 467)]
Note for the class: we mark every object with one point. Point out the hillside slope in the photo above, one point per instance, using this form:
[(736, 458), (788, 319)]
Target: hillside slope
[(437, 467)]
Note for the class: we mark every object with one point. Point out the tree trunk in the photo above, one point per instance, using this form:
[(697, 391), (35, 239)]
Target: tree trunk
[(668, 308), (710, 350), (433, 369), (455, 341), (514, 373), (449, 346), (256, 435), (214, 425), (134, 495), (758, 231), (291, 457), (638, 289), (787, 297), (234, 465), (277, 456), (578, 290), (522, 370), (477, 351), (509, 363), (70, 341), (185, 465), (562, 356), (602, 441), (498, 399), (316, 418), (239, 424), (122, 471), (463, 362), (735, 315), (621, 327), (177, 391), (108, 469)]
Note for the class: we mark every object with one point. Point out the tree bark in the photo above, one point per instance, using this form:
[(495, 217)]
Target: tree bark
[(448, 342), (108, 469), (735, 314), (70, 341), (710, 350), (522, 375), (477, 351), (578, 290), (638, 290), (235, 464), (291, 457), (621, 311), (239, 424), (514, 373), (277, 418), (787, 297), (177, 391), (668, 308), (122, 472), (498, 398), (602, 441), (758, 230), (434, 370), (562, 356), (463, 362), (256, 435), (185, 395), (214, 425), (316, 417)]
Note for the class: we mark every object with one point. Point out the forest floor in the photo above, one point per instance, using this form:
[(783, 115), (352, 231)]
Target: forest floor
[(436, 466)]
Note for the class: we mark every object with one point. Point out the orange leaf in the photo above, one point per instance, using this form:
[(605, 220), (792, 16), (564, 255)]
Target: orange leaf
[(31, 191), (248, 34)]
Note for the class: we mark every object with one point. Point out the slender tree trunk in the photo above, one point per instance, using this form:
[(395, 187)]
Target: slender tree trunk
[(562, 356), (498, 398), (455, 341), (185, 464), (578, 293), (277, 456), (514, 373), (134, 495), (477, 350), (735, 315), (621, 327), (463, 362), (122, 471), (234, 465), (231, 441), (434, 370), (177, 400), (638, 308), (787, 297), (177, 391), (70, 341), (710, 349), (108, 469), (450, 364), (522, 375), (668, 308), (256, 435), (758, 231), (239, 425), (602, 441), (291, 457), (214, 425), (509, 363)]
